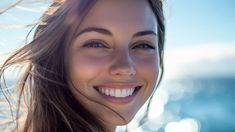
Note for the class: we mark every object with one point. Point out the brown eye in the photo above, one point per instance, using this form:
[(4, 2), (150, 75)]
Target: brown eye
[(95, 44)]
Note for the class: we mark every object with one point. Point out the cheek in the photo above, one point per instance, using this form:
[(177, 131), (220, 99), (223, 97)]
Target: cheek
[(149, 68), (85, 68)]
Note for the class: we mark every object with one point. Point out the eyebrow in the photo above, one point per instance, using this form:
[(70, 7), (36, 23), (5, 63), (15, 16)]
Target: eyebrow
[(143, 33), (107, 32)]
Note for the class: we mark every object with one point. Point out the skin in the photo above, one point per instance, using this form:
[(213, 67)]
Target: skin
[(119, 58)]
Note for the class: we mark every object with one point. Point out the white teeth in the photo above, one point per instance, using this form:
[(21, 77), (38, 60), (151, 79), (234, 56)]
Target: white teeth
[(124, 92), (118, 93), (129, 91), (112, 92), (132, 90), (106, 91)]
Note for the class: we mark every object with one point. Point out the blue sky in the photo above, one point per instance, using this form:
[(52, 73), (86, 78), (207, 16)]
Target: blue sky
[(200, 21), (11, 32), (200, 37), (188, 22)]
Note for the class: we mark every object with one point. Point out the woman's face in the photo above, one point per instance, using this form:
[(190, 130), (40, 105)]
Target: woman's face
[(115, 59)]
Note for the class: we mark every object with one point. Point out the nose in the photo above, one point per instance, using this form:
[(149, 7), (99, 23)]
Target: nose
[(123, 66)]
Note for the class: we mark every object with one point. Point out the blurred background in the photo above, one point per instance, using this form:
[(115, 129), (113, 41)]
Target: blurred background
[(197, 92)]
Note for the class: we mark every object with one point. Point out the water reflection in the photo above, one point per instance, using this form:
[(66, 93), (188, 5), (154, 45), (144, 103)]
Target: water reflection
[(192, 105)]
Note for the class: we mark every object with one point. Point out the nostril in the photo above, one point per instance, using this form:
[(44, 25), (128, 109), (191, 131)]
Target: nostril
[(123, 70)]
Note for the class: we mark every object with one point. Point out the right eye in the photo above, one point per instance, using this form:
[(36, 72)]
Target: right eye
[(95, 44)]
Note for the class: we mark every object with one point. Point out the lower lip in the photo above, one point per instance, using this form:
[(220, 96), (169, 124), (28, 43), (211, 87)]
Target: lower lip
[(123, 100)]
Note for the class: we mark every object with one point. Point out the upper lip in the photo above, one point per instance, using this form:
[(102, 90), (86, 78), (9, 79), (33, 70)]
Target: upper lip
[(118, 85)]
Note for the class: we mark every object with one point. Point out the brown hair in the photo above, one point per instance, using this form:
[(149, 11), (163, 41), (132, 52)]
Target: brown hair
[(44, 85)]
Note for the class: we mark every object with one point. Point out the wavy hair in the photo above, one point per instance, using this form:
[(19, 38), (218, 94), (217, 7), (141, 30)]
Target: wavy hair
[(44, 85)]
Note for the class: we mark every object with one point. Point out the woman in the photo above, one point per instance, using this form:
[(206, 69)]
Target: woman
[(91, 65)]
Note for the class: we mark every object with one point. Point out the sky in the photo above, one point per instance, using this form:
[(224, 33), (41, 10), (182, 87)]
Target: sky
[(200, 21), (200, 37)]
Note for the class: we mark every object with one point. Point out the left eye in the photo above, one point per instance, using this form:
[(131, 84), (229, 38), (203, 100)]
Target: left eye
[(144, 45)]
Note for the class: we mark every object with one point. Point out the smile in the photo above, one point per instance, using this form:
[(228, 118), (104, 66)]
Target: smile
[(118, 93)]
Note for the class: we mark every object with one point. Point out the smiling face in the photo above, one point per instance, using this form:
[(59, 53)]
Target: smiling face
[(114, 59)]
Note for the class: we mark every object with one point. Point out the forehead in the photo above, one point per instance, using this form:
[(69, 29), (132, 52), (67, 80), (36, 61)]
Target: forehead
[(119, 15)]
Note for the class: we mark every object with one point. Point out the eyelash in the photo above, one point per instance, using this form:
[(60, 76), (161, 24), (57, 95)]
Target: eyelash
[(100, 44), (144, 45), (95, 44)]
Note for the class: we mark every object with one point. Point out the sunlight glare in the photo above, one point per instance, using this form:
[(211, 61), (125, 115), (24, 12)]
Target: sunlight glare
[(185, 125)]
